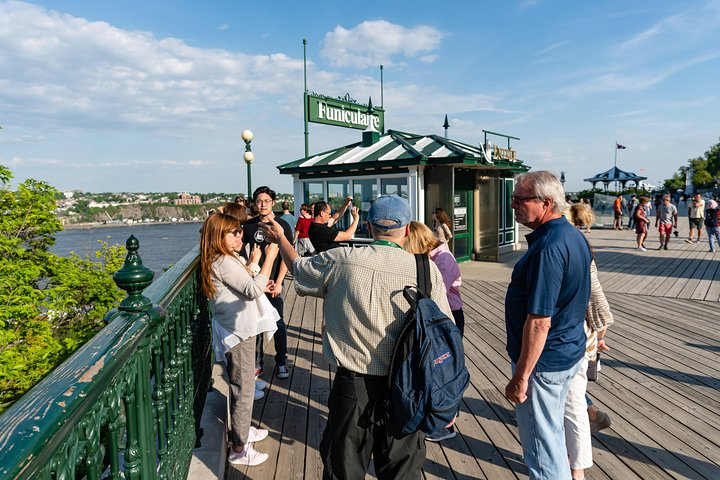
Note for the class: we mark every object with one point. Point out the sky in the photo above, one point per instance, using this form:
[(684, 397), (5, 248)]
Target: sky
[(152, 95)]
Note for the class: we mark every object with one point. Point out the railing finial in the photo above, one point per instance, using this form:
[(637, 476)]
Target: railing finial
[(134, 277)]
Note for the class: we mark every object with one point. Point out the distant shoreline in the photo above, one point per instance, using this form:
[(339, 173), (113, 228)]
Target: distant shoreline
[(88, 226)]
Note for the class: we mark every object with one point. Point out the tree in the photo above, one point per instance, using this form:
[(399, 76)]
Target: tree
[(706, 171), (49, 305)]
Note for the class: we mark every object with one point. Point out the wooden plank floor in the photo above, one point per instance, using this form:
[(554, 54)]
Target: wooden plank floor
[(659, 383)]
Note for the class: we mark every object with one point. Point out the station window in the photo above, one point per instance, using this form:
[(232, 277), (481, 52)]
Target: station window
[(398, 186), (365, 191)]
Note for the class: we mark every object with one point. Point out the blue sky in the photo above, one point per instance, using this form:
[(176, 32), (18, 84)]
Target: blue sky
[(153, 95)]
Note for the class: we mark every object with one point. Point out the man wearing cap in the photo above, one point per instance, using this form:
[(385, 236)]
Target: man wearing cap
[(364, 311)]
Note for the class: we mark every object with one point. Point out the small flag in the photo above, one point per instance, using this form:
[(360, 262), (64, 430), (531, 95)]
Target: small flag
[(620, 147)]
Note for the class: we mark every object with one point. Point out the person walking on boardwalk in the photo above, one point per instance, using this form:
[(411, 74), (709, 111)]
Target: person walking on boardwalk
[(618, 213), (631, 204), (712, 225), (364, 310), (544, 317), (696, 214), (240, 313), (641, 223), (665, 220), (264, 200)]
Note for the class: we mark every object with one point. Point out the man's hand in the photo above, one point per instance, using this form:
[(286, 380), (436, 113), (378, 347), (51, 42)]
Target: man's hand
[(516, 390), (275, 289), (354, 213), (272, 230), (269, 286)]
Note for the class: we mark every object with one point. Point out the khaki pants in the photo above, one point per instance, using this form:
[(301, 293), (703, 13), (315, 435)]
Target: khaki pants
[(241, 373)]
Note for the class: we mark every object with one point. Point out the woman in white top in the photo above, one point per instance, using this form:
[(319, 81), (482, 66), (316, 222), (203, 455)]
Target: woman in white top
[(441, 225), (239, 314)]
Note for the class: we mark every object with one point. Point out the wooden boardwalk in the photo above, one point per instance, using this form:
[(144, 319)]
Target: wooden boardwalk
[(659, 383)]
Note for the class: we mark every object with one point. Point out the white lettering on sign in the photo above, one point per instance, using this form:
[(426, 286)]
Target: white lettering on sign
[(352, 117)]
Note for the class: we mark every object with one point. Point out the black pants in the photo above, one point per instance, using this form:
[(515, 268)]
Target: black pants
[(459, 317), (280, 337), (356, 429)]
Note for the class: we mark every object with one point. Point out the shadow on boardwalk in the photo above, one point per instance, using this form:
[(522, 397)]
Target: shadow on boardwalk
[(659, 382)]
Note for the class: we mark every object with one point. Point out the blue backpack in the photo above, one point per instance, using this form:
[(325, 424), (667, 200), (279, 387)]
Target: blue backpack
[(427, 372)]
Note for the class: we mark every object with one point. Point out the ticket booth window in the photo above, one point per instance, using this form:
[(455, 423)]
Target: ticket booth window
[(337, 192), (398, 186), (313, 192), (364, 193)]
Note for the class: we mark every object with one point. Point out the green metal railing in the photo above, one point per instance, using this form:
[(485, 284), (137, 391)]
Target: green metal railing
[(128, 403)]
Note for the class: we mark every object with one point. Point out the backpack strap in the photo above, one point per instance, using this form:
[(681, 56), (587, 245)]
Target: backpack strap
[(423, 275)]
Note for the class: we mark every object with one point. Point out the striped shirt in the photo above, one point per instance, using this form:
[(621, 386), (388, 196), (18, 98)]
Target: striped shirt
[(364, 307)]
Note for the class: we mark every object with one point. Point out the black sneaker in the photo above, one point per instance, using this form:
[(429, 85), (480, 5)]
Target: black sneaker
[(438, 436), (660, 247), (665, 246)]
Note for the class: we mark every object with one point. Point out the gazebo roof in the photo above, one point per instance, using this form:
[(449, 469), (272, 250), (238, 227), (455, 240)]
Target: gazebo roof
[(397, 150), (615, 174)]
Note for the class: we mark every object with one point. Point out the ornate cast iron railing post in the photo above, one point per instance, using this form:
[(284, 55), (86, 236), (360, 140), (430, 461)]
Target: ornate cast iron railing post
[(134, 277)]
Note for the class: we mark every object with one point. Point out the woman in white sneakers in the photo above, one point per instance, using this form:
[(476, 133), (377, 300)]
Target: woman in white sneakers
[(240, 312)]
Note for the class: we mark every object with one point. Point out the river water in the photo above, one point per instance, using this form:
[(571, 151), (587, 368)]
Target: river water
[(161, 245)]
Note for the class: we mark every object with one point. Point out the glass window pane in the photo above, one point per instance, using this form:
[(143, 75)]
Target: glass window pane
[(398, 186), (337, 192), (313, 192), (365, 191)]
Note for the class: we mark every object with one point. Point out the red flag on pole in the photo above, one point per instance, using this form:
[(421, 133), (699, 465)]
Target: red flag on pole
[(620, 147)]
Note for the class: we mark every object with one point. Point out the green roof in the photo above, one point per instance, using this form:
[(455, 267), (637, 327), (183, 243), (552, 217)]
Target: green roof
[(397, 149)]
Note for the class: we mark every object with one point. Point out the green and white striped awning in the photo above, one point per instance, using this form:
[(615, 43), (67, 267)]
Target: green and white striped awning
[(395, 150)]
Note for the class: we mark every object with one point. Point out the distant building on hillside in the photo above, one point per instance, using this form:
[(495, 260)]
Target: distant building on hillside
[(187, 199)]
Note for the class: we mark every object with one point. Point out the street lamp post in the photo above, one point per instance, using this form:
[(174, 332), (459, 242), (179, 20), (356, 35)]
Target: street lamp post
[(248, 156)]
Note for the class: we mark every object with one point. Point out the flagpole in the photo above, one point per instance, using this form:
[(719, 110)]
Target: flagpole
[(616, 145)]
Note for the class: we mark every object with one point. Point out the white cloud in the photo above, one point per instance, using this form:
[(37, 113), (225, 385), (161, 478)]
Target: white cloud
[(376, 42), (59, 67)]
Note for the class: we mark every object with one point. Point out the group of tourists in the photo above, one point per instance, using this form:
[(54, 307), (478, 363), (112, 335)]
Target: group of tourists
[(245, 260), (699, 215)]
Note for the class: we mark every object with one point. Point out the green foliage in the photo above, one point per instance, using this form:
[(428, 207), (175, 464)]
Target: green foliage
[(49, 305), (706, 171)]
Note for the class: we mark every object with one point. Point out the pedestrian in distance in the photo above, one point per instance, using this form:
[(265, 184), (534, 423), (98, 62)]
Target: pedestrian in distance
[(712, 224), (618, 213), (630, 210), (666, 218), (641, 223), (544, 317), (364, 313), (696, 214)]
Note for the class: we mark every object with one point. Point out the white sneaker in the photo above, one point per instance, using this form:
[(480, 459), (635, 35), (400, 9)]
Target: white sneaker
[(260, 384), (257, 435), (249, 457), (259, 394)]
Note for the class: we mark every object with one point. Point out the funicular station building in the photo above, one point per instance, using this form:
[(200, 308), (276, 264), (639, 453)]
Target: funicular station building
[(473, 184)]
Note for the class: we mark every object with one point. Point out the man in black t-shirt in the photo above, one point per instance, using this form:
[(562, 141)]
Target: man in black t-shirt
[(264, 199), (323, 237)]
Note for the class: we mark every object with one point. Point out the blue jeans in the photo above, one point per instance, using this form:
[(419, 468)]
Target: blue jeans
[(540, 423), (713, 234)]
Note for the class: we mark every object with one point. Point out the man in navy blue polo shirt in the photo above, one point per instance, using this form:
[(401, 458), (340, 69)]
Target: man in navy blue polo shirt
[(544, 316)]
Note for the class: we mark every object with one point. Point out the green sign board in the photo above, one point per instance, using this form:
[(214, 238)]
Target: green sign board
[(342, 112)]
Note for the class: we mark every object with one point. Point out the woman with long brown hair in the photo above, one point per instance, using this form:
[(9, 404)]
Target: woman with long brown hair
[(441, 225), (240, 312)]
